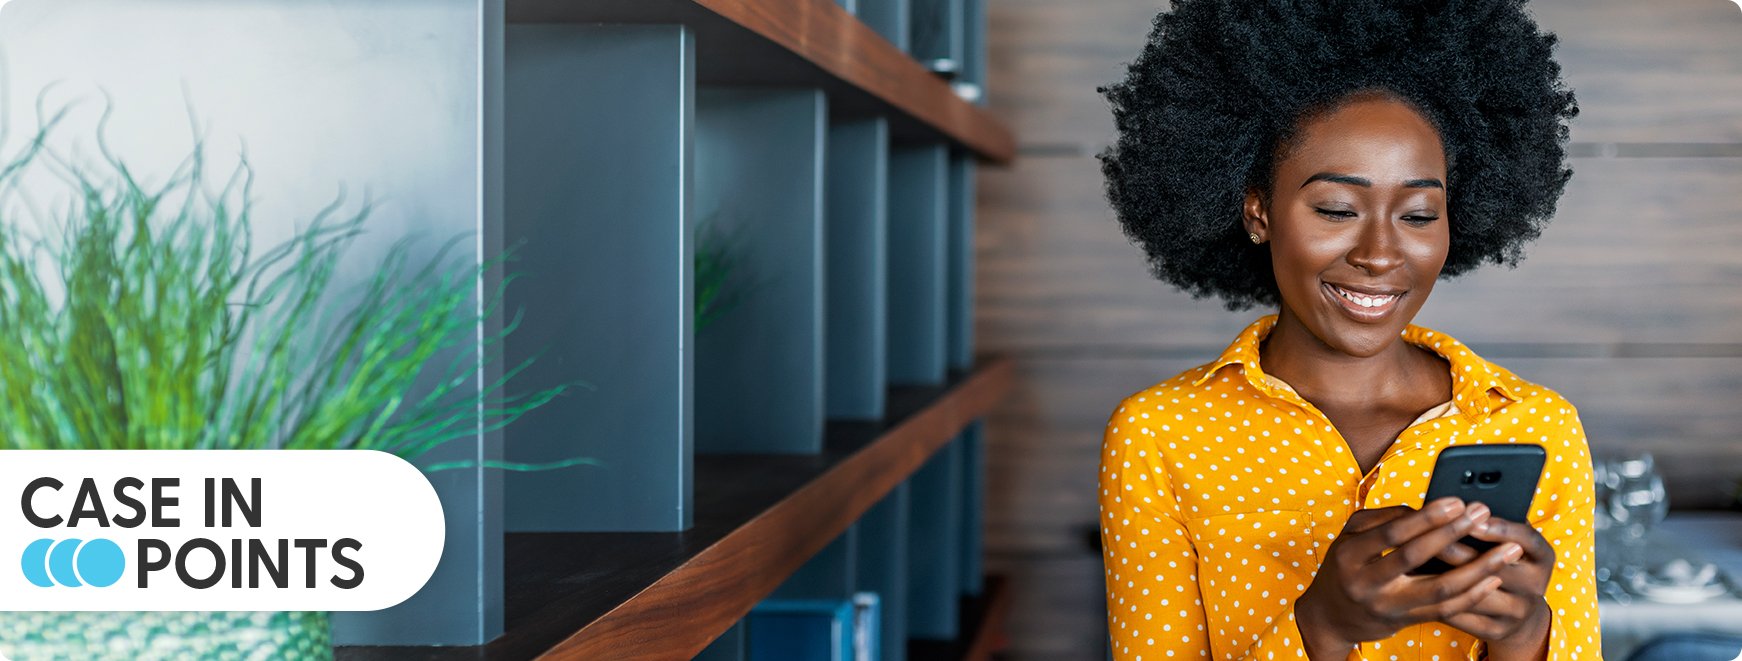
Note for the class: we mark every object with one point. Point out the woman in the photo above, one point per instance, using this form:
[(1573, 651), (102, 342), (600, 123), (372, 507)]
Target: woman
[(1335, 159)]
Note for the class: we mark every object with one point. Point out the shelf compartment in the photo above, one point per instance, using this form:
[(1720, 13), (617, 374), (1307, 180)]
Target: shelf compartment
[(857, 267), (918, 263), (982, 616), (934, 546), (597, 139), (804, 43), (830, 574), (758, 517), (759, 193)]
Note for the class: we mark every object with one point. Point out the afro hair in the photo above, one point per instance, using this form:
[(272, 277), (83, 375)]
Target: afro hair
[(1219, 92)]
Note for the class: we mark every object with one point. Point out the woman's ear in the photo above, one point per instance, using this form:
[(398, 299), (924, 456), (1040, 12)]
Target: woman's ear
[(1255, 216)]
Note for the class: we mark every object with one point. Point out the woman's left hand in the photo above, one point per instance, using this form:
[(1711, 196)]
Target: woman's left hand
[(1513, 620)]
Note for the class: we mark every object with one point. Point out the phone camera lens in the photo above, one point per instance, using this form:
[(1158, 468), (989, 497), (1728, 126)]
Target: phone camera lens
[(1489, 477)]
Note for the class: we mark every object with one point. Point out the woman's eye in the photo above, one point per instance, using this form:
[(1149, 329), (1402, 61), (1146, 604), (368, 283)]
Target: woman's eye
[(1336, 213), (1420, 220)]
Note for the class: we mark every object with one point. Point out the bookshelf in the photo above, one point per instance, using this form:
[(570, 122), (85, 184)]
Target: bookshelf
[(822, 433)]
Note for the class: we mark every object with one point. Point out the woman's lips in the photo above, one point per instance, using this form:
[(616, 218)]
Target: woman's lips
[(1358, 309)]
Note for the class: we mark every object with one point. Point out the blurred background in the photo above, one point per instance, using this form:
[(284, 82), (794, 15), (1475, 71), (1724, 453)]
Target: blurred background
[(1629, 304)]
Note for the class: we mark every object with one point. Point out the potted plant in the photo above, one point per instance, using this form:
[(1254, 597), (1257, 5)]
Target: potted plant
[(148, 320)]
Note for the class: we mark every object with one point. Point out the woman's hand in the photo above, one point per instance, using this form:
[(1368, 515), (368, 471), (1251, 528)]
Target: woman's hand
[(1513, 620), (1363, 593)]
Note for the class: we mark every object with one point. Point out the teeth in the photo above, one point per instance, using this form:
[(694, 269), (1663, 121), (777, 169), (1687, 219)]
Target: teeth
[(1362, 299)]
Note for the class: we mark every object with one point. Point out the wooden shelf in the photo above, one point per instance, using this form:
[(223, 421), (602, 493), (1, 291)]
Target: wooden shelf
[(758, 518), (813, 43)]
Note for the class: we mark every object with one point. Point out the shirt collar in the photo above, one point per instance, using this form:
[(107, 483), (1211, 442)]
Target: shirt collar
[(1473, 377)]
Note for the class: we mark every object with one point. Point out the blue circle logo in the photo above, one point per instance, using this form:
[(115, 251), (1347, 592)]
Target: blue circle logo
[(73, 563)]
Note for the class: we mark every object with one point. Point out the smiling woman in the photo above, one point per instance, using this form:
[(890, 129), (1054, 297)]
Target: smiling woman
[(1270, 502)]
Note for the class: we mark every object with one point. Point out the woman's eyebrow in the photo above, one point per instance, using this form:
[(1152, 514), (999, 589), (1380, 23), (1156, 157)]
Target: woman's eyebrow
[(1366, 183), (1338, 178)]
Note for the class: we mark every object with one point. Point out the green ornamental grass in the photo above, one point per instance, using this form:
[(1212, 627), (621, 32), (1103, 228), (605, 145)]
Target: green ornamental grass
[(148, 320)]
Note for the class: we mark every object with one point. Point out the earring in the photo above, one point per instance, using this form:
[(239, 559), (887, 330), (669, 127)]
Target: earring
[(1254, 236)]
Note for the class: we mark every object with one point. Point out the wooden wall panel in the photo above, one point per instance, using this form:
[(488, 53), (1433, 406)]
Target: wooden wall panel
[(1045, 59), (1057, 607), (1641, 250), (1045, 438), (1660, 71), (1055, 271)]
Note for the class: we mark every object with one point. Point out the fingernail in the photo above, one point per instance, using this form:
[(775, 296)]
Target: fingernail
[(1491, 583), (1450, 505), (1476, 512), (1512, 553)]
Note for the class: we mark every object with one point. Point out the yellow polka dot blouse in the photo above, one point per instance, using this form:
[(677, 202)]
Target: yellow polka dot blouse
[(1220, 490)]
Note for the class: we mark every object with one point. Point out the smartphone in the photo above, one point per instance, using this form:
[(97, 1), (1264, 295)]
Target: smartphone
[(1503, 477)]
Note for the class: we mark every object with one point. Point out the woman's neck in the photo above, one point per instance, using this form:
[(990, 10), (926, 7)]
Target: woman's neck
[(1326, 376)]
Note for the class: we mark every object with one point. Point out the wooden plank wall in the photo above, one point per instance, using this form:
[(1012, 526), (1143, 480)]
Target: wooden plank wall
[(1630, 303)]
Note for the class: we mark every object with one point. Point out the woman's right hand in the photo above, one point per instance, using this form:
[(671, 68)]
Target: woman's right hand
[(1363, 593)]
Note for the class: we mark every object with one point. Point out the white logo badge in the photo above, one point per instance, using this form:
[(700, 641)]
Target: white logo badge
[(178, 530)]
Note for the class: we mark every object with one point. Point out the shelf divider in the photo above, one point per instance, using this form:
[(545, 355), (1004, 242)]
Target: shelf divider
[(973, 485), (759, 196), (918, 263), (960, 280), (935, 546), (883, 566), (598, 161), (857, 267)]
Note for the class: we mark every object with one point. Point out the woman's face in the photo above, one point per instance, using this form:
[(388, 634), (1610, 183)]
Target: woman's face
[(1358, 209)]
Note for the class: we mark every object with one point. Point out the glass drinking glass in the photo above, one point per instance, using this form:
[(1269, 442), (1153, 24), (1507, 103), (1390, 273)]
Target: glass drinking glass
[(1604, 479), (1636, 502)]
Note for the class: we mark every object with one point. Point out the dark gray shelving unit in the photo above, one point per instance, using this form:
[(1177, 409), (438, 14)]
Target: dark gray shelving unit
[(819, 436)]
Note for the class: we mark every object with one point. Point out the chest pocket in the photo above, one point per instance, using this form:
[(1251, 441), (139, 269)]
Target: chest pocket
[(1251, 566)]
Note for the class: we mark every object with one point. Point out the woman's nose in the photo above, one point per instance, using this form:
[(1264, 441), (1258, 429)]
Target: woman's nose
[(1376, 248)]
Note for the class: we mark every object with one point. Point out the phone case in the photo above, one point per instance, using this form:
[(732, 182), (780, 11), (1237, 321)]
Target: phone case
[(1503, 477)]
